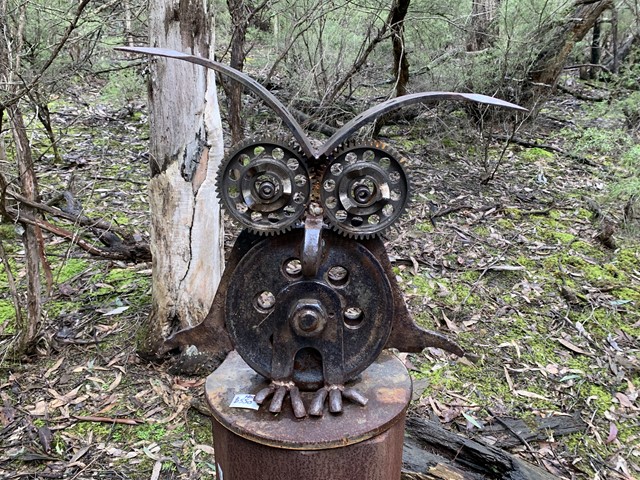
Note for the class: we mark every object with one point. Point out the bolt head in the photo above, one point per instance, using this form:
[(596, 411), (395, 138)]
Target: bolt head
[(308, 317)]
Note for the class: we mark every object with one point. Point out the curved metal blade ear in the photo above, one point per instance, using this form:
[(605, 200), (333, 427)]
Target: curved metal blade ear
[(396, 103), (265, 95)]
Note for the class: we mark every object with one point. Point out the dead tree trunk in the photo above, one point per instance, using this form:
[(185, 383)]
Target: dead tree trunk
[(559, 40), (186, 148), (31, 236), (483, 29), (398, 13)]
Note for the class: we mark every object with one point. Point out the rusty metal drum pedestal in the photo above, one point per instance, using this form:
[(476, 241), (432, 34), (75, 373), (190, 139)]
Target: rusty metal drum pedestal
[(362, 443)]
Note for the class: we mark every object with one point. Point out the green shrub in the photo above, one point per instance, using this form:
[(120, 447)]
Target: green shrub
[(123, 87)]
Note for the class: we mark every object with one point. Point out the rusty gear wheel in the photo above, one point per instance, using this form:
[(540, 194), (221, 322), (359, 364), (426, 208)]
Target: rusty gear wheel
[(364, 189), (265, 185)]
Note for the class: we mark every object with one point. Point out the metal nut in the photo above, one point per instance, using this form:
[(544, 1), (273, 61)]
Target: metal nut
[(308, 317)]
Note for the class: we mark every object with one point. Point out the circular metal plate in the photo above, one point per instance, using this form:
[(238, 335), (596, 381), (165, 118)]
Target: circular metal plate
[(355, 298)]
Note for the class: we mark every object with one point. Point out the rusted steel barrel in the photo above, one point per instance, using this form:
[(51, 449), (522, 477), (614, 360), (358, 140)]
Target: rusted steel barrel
[(362, 443)]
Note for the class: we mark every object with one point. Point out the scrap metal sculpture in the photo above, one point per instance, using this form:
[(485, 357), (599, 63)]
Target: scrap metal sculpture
[(308, 297)]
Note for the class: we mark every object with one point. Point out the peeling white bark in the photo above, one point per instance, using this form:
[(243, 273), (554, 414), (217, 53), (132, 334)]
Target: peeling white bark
[(186, 149)]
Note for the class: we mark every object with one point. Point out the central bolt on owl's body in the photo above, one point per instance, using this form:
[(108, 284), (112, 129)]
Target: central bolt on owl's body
[(309, 298)]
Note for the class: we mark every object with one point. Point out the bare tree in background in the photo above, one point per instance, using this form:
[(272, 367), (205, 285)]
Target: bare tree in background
[(397, 15), (484, 30), (243, 14), (18, 82)]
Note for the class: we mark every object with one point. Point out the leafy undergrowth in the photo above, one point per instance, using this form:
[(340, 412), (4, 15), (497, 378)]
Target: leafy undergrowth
[(518, 270)]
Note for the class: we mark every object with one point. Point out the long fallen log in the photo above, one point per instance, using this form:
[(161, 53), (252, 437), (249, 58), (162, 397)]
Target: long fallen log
[(433, 453), (511, 432), (118, 244)]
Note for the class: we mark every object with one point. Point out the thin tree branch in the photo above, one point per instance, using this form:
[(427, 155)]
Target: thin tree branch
[(76, 218), (69, 236), (54, 54), (360, 61)]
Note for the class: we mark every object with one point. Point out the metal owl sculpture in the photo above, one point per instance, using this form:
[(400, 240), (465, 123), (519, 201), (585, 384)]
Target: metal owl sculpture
[(308, 297)]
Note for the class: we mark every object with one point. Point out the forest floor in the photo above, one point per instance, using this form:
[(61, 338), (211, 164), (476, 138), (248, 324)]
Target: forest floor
[(536, 273)]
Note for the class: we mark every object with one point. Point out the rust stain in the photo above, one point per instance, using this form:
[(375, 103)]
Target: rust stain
[(200, 174), (390, 395)]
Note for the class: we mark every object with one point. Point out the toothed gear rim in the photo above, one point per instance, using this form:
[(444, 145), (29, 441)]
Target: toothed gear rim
[(264, 185), (364, 189)]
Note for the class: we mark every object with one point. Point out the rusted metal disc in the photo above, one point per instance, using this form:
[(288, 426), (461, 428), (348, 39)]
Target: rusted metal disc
[(385, 382), (349, 309)]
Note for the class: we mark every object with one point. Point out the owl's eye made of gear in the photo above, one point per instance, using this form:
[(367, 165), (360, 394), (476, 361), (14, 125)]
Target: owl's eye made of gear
[(264, 185), (364, 189)]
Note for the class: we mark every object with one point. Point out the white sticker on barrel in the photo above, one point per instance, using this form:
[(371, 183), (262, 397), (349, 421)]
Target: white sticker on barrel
[(244, 400), (219, 473)]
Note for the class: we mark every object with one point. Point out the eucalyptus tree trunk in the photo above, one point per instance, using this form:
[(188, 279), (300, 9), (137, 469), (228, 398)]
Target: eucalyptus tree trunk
[(186, 148), (243, 13), (395, 23), (558, 41), (28, 326), (239, 12)]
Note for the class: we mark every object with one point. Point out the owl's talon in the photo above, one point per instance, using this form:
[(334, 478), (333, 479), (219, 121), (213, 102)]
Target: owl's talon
[(278, 399), (335, 394), (297, 403), (263, 394), (317, 404), (279, 391), (355, 396), (335, 401)]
